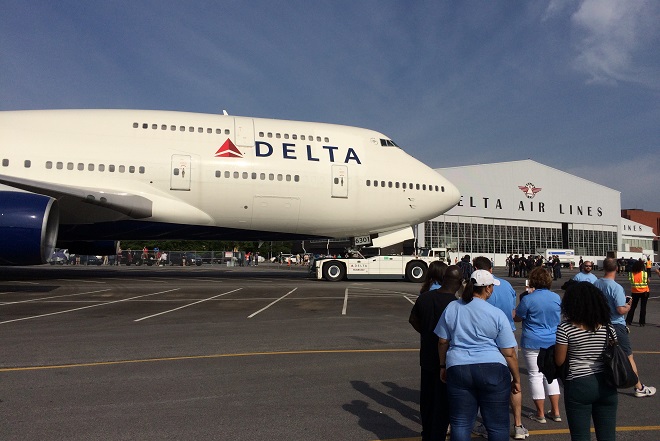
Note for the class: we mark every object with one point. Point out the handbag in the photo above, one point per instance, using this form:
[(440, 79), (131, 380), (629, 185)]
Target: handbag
[(617, 365)]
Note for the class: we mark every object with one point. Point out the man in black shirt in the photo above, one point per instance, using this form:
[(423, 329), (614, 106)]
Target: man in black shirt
[(433, 400)]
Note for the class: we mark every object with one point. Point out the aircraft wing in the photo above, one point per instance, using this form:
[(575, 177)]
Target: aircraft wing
[(131, 205)]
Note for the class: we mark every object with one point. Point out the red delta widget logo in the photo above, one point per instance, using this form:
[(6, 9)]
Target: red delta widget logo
[(263, 149), (228, 150)]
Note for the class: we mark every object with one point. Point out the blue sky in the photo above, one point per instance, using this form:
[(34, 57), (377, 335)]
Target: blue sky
[(574, 85)]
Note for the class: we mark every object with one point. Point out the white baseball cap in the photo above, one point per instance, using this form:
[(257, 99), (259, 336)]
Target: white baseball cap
[(483, 278)]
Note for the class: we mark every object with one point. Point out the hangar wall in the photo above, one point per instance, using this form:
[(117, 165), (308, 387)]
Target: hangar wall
[(519, 207)]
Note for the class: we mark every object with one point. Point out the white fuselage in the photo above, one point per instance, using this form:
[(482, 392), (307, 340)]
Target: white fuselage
[(228, 172)]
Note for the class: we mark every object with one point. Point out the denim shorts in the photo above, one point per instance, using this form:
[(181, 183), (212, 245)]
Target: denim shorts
[(623, 337)]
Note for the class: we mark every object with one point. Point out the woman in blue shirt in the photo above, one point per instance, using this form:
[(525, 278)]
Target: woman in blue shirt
[(476, 346), (540, 313)]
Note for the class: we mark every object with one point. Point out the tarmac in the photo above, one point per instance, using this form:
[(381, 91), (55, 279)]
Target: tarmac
[(219, 353)]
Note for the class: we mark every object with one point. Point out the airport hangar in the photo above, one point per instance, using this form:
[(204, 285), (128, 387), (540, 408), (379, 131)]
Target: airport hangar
[(520, 207)]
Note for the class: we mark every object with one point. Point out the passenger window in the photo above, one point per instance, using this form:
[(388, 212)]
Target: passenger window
[(101, 167), (294, 136), (59, 166), (209, 130), (191, 129), (81, 166), (49, 164), (326, 139), (218, 173), (227, 175), (389, 184), (278, 136), (236, 175), (279, 177), (27, 163), (404, 185), (141, 170), (261, 134), (375, 183), (296, 178), (245, 175), (5, 162), (382, 183), (396, 184), (318, 139), (423, 186), (271, 177), (122, 169), (442, 189), (136, 125), (163, 127), (173, 128), (288, 178), (90, 167), (69, 165), (416, 186), (270, 135), (302, 137), (154, 126), (145, 126), (226, 131), (218, 131), (254, 175), (111, 168), (262, 176), (131, 169), (182, 128), (200, 129), (368, 182), (286, 136)]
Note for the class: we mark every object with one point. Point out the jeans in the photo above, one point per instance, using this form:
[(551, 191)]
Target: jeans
[(433, 406), (485, 386), (590, 397)]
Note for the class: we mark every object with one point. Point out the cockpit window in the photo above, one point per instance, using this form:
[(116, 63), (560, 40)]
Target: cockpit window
[(387, 143)]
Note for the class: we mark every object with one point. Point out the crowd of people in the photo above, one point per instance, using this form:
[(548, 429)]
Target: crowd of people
[(469, 354), (520, 266)]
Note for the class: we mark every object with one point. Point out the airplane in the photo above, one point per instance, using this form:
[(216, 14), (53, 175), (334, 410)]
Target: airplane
[(85, 179)]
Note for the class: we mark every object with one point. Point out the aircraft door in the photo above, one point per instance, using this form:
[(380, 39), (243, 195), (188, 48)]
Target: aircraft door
[(180, 175), (244, 131), (339, 181)]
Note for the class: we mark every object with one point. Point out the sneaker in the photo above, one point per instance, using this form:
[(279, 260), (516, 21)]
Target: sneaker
[(645, 391), (556, 418), (520, 432), (480, 430), (538, 419)]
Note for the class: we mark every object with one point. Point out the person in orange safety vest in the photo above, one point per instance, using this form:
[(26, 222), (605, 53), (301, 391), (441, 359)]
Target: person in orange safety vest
[(639, 288)]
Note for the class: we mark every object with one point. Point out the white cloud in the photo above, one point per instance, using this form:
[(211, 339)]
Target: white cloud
[(609, 34)]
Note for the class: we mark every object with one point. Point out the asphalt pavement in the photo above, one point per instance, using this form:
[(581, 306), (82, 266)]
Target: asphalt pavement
[(218, 353)]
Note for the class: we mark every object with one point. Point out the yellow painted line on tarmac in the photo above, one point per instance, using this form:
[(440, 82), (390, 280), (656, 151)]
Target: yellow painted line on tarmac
[(199, 357), (547, 432)]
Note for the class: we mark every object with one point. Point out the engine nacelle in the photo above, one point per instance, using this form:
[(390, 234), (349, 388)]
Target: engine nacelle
[(28, 228), (89, 247)]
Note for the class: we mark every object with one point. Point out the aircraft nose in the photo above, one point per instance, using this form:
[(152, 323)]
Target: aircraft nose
[(450, 197)]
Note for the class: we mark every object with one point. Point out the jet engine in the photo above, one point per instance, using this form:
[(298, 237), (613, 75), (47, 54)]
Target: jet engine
[(28, 228)]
